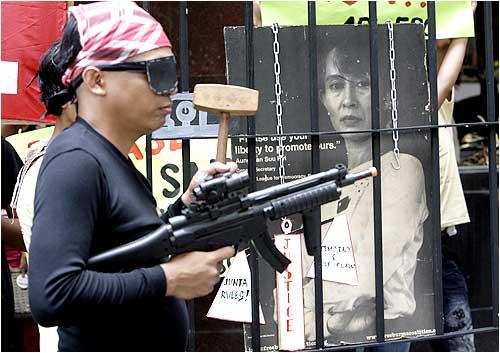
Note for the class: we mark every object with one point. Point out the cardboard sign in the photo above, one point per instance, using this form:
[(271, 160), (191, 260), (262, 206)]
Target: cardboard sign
[(290, 297), (233, 300), (337, 254), (166, 160), (454, 19)]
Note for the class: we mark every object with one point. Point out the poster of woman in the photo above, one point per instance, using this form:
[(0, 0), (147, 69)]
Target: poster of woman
[(345, 121)]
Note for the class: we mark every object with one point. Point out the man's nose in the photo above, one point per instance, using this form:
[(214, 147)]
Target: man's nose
[(350, 96)]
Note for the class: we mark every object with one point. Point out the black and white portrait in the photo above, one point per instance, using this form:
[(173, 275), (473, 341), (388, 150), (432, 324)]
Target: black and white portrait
[(344, 105)]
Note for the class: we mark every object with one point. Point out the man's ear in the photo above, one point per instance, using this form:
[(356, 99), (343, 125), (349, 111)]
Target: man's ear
[(93, 79)]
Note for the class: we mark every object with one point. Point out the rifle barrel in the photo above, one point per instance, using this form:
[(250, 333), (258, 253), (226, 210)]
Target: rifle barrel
[(351, 178)]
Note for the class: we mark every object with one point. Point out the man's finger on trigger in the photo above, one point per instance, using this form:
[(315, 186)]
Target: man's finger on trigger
[(223, 253)]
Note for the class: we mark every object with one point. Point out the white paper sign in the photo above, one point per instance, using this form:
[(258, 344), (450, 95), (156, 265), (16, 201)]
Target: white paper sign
[(337, 254), (8, 77), (290, 296), (233, 300)]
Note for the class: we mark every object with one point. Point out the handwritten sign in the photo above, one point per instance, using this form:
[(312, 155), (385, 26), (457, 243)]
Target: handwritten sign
[(337, 254), (454, 19), (233, 300), (290, 296)]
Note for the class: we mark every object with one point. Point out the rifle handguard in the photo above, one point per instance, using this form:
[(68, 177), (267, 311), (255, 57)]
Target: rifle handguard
[(316, 197), (301, 200)]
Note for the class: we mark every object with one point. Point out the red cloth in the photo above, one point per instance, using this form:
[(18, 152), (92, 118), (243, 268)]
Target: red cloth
[(29, 28), (13, 256)]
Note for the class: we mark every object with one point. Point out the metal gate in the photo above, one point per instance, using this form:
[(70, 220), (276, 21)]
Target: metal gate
[(491, 124)]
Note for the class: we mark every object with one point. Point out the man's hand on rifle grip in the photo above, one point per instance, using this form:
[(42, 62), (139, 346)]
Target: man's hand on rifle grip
[(213, 169), (194, 274)]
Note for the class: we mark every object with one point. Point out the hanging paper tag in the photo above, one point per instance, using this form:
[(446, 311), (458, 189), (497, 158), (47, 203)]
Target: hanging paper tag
[(290, 297), (286, 225), (337, 254), (9, 73), (233, 300)]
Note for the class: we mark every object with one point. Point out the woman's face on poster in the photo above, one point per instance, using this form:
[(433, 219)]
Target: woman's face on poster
[(346, 93)]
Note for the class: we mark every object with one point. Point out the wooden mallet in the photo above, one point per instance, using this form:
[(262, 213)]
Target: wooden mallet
[(226, 100)]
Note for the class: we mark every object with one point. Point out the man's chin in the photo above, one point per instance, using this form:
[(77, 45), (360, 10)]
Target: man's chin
[(157, 123)]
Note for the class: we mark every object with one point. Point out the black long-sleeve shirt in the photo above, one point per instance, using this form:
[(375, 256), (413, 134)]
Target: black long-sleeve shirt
[(90, 198)]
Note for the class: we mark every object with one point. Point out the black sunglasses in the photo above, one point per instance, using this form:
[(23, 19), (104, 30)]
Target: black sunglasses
[(161, 73)]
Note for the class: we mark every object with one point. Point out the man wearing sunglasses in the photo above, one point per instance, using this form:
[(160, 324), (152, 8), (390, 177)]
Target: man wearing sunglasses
[(118, 66)]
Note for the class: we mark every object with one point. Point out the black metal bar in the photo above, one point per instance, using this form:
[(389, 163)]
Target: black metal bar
[(186, 179), (313, 74), (186, 145), (146, 5), (369, 131), (492, 157), (184, 87), (184, 47), (448, 335), (377, 186), (250, 77), (252, 172), (315, 166), (186, 164), (435, 197), (149, 160)]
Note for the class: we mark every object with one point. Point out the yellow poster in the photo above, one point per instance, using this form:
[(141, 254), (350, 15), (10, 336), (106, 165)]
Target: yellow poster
[(454, 19)]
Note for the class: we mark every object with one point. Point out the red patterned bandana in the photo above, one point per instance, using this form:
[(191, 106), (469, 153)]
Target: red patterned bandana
[(111, 32)]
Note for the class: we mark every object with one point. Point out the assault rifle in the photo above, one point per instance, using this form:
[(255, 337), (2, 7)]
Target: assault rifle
[(225, 214)]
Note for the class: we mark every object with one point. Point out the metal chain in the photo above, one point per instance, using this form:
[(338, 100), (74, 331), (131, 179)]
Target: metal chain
[(394, 108), (279, 108), (286, 223)]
